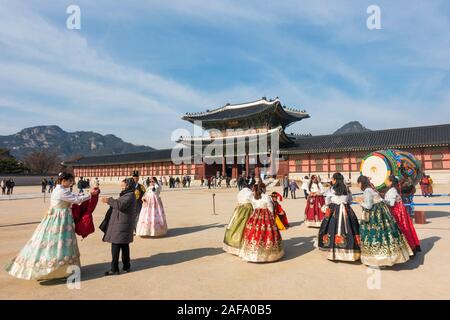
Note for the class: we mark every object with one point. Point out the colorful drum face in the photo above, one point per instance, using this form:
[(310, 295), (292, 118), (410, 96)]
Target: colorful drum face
[(376, 168), (379, 165)]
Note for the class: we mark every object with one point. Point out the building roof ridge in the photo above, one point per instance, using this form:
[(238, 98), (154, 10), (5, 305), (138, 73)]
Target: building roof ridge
[(228, 106)]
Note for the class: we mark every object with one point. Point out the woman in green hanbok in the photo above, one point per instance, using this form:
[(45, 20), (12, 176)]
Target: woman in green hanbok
[(382, 243), (52, 251), (235, 229)]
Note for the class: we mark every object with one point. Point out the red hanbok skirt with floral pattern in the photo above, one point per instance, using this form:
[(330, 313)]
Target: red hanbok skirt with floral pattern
[(313, 211), (261, 239), (405, 225)]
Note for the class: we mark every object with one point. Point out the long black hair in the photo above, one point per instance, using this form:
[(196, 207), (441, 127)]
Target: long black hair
[(339, 187), (311, 181), (365, 182), (259, 189), (395, 182), (65, 176)]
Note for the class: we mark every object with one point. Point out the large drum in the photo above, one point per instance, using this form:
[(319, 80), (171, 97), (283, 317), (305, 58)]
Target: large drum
[(379, 165)]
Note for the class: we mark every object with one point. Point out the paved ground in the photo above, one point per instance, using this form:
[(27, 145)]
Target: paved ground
[(190, 264)]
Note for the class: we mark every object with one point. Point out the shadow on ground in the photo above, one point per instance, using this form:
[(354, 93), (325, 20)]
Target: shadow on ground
[(436, 214), (295, 224), (176, 232), (19, 224), (418, 260), (296, 247), (96, 271)]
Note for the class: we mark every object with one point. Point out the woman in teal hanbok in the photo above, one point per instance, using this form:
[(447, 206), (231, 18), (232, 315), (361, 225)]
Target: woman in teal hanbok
[(382, 243), (53, 248)]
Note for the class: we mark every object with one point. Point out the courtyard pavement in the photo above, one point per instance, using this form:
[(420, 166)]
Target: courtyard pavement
[(189, 263)]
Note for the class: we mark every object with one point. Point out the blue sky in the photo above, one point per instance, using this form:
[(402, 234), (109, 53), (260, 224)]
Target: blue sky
[(136, 67)]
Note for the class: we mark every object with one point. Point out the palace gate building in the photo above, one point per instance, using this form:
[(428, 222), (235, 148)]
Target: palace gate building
[(251, 138)]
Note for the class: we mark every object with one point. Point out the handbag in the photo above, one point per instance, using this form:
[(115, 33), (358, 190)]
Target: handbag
[(104, 225)]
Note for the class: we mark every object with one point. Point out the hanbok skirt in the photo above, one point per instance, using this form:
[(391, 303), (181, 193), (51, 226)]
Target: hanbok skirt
[(382, 242), (152, 218), (406, 225), (339, 235), (232, 241), (313, 211), (424, 189), (51, 251), (261, 239)]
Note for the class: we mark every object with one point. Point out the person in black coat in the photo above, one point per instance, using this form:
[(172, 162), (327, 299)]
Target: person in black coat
[(119, 231)]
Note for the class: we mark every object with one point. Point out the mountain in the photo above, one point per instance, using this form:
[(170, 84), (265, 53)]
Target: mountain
[(351, 127), (5, 155), (67, 144)]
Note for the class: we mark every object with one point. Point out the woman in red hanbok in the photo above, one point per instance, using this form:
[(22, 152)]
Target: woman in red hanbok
[(425, 186), (313, 211), (280, 215), (261, 239), (400, 214)]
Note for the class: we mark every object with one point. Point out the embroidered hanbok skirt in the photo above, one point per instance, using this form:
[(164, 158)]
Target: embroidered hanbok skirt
[(261, 239), (232, 241), (406, 225), (339, 235), (313, 211), (152, 218), (51, 250), (382, 242)]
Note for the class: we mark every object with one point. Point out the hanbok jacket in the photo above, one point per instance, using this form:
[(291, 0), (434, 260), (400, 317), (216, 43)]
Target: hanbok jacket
[(82, 216)]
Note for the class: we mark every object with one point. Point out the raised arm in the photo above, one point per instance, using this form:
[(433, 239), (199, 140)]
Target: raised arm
[(120, 204), (73, 198)]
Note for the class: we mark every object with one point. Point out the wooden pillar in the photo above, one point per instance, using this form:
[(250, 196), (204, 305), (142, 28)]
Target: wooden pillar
[(350, 165), (224, 167), (309, 165), (203, 170), (329, 166), (247, 165), (257, 171), (422, 158), (234, 173)]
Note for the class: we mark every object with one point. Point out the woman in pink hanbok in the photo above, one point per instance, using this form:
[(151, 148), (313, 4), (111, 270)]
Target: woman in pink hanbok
[(152, 219)]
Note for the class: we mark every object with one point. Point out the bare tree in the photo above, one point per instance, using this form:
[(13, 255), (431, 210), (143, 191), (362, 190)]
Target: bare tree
[(43, 161)]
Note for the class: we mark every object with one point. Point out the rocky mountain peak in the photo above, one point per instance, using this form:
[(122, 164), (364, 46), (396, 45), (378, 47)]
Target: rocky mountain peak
[(351, 127)]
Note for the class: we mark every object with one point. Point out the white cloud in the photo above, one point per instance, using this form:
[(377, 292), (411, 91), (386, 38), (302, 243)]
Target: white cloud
[(81, 82), (48, 62)]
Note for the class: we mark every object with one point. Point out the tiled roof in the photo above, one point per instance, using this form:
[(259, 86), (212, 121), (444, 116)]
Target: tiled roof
[(438, 135), (141, 157), (245, 110), (429, 136)]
